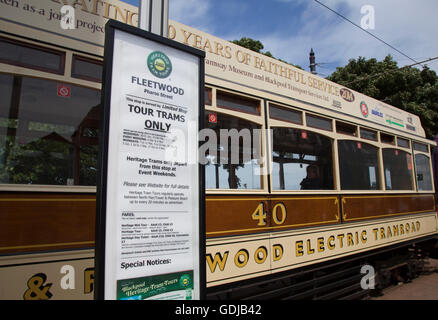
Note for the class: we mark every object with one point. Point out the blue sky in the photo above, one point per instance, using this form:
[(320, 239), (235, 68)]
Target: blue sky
[(289, 28)]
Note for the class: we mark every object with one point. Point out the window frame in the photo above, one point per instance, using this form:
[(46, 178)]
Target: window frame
[(65, 78), (320, 117), (334, 165), (287, 108), (29, 132), (273, 122), (375, 144), (76, 57), (251, 117), (413, 179), (429, 155), (61, 54), (260, 108)]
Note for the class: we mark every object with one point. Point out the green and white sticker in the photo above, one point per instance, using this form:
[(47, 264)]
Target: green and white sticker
[(159, 64), (171, 286)]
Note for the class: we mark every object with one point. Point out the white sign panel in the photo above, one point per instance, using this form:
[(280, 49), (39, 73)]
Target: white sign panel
[(152, 192)]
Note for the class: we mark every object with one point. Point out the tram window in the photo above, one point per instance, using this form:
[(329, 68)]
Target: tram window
[(387, 138), (51, 139), (346, 128), (279, 113), (420, 147), (237, 103), (208, 96), (26, 55), (86, 69), (358, 165), (368, 134), (404, 143), (422, 170), (301, 160), (220, 170), (398, 169), (318, 122)]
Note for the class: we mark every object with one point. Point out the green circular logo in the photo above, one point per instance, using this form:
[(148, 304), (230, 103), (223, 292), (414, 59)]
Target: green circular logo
[(159, 64), (185, 281)]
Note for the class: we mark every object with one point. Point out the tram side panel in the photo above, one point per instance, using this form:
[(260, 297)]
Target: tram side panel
[(294, 240), (47, 240)]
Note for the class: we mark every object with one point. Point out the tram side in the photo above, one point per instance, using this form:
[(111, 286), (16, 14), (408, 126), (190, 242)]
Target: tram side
[(364, 196), (264, 216)]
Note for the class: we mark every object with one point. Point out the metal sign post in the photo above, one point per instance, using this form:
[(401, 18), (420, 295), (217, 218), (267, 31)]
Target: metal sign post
[(154, 16)]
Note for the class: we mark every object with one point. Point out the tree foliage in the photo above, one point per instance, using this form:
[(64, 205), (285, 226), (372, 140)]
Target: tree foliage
[(407, 88)]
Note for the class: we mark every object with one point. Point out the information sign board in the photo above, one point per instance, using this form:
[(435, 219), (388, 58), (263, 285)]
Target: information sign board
[(150, 207)]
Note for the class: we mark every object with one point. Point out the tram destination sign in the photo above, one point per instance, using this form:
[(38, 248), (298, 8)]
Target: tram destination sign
[(150, 230)]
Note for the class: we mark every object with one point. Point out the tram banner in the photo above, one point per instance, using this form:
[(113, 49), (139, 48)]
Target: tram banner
[(150, 231)]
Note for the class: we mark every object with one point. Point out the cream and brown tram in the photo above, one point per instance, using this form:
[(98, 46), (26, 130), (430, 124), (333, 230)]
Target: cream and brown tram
[(336, 180)]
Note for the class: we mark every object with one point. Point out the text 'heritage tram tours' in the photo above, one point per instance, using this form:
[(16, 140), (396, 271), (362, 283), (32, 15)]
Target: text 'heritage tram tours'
[(320, 178)]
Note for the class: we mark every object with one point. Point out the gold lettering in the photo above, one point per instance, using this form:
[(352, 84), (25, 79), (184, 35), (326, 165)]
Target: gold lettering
[(218, 260), (218, 49), (131, 21), (95, 7), (382, 233), (260, 255), (395, 230), (171, 33), (88, 280), (243, 57), (299, 248), (277, 252), (350, 239), (363, 236), (413, 227), (331, 242), (197, 41), (407, 228), (402, 230), (275, 67), (107, 10), (228, 54), (418, 225), (320, 242), (186, 37), (259, 63), (239, 262), (119, 12), (388, 232), (207, 44), (375, 233), (309, 247), (297, 76), (283, 72), (82, 3), (341, 240)]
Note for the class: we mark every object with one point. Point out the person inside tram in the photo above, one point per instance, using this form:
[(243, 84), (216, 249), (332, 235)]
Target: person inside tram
[(312, 180)]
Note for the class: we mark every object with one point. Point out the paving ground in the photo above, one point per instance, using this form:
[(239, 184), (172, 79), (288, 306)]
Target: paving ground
[(425, 287)]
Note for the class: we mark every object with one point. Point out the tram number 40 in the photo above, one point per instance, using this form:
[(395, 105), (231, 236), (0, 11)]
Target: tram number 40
[(279, 214)]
